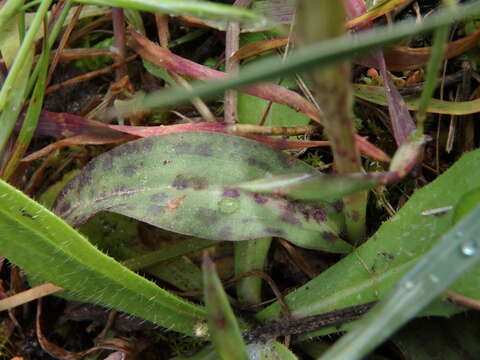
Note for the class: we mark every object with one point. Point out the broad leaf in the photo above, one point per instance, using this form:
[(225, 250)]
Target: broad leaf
[(50, 250), (374, 267), (185, 183)]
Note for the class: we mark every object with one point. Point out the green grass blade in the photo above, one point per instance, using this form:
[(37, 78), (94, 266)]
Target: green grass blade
[(318, 22), (50, 250), (440, 40), (222, 323), (201, 9), (453, 255), (14, 103), (31, 119), (22, 55), (328, 52), (312, 187)]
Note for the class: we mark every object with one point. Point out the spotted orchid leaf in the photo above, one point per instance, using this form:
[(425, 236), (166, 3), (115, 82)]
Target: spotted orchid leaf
[(186, 183)]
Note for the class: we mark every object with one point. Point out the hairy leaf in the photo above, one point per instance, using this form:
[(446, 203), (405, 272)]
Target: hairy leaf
[(50, 250)]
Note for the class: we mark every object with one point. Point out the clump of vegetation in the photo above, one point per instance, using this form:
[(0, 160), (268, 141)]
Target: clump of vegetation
[(239, 179)]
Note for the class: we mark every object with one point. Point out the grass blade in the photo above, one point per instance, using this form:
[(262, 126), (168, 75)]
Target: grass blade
[(23, 53), (318, 22), (50, 250), (222, 323), (203, 9), (328, 52)]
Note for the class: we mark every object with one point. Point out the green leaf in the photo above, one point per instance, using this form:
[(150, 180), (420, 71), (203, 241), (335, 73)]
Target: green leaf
[(313, 187), (217, 13), (14, 103), (454, 254), (374, 267), (376, 95), (251, 108), (50, 250), (466, 204), (222, 323), (250, 255), (173, 182)]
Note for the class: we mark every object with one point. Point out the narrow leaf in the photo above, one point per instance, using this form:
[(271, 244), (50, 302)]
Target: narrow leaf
[(376, 95), (205, 9), (311, 187), (50, 250), (223, 326)]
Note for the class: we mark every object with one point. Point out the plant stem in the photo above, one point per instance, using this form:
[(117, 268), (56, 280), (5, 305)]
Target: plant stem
[(318, 21)]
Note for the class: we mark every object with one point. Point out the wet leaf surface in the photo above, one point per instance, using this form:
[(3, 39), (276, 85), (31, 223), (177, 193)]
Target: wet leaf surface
[(186, 183)]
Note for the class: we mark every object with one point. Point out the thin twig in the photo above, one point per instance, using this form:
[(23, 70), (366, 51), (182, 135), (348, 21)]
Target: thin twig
[(232, 66), (118, 19), (89, 75)]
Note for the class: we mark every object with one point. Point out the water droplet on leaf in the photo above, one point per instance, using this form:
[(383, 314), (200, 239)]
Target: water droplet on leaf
[(228, 205), (469, 248)]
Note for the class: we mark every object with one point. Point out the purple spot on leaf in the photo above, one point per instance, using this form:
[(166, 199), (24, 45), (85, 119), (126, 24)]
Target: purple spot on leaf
[(84, 179), (233, 193), (64, 207), (182, 148), (260, 199), (338, 206), (259, 164), (158, 197), (204, 150), (274, 231), (289, 218), (180, 182), (329, 236), (317, 212), (129, 170)]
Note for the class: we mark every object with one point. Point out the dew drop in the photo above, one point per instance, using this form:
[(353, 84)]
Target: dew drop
[(409, 285), (469, 248), (433, 278), (228, 205)]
